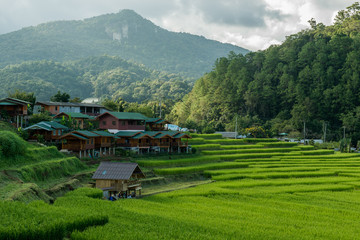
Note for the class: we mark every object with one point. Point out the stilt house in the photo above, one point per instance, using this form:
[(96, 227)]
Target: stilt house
[(115, 177)]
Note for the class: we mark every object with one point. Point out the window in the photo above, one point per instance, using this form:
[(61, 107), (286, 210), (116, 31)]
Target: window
[(92, 141), (123, 123), (55, 108), (54, 133), (87, 141), (104, 123), (113, 123)]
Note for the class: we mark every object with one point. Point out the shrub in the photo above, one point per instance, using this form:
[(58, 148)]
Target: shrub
[(12, 144)]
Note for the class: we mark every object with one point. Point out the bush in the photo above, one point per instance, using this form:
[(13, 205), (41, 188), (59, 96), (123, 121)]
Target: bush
[(12, 144), (207, 136)]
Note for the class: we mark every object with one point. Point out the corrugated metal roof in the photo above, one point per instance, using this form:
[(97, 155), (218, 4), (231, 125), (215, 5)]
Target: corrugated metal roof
[(15, 100), (127, 115), (152, 133), (74, 135), (86, 133), (140, 135), (7, 104), (126, 134), (50, 126), (116, 171), (104, 133)]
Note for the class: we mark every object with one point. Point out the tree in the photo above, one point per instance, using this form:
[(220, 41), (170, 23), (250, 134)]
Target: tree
[(22, 95), (75, 100), (60, 97)]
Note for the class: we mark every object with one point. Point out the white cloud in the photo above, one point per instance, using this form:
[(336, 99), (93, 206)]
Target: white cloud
[(250, 24)]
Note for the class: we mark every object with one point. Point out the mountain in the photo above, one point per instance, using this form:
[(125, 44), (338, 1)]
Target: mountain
[(125, 34), (103, 76), (312, 77)]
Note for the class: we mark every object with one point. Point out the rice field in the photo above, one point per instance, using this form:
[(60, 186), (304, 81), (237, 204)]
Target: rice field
[(298, 194)]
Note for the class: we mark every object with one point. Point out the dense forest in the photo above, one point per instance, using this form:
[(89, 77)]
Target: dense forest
[(312, 78), (125, 34), (105, 77)]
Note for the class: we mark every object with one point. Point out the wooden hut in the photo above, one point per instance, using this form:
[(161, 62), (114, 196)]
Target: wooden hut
[(115, 177), (50, 130), (79, 141)]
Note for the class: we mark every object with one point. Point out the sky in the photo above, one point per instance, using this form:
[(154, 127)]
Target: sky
[(252, 24)]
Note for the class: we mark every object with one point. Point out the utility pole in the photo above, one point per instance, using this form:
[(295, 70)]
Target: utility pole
[(235, 127), (160, 108), (324, 130), (304, 132)]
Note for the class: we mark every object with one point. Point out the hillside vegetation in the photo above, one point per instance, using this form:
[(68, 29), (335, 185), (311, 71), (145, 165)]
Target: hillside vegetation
[(125, 34), (103, 76), (300, 193), (29, 172), (312, 77)]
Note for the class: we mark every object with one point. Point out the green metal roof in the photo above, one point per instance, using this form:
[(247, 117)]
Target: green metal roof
[(87, 133), (103, 133), (140, 135), (55, 125), (161, 135), (7, 104), (152, 133), (46, 125), (128, 115), (151, 120), (126, 134), (79, 136)]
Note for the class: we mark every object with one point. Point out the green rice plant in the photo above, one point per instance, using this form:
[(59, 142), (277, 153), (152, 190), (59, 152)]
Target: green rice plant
[(86, 192), (278, 144), (260, 140), (317, 152), (248, 146), (206, 146), (306, 147), (226, 177), (194, 140), (199, 168), (225, 141), (239, 151), (207, 136), (39, 220), (325, 157), (193, 160)]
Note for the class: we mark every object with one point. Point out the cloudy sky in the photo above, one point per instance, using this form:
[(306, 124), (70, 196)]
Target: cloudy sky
[(253, 24)]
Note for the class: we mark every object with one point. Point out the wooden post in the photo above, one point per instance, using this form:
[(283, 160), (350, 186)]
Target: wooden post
[(100, 152), (80, 153)]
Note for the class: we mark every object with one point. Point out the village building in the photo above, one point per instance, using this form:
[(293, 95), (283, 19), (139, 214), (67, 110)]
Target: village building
[(105, 143), (121, 121), (55, 108), (79, 120), (156, 124), (136, 141), (48, 130), (81, 142), (89, 143), (153, 141), (117, 178), (14, 110)]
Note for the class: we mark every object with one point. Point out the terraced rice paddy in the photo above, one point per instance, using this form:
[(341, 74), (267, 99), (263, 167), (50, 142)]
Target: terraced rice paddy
[(299, 193)]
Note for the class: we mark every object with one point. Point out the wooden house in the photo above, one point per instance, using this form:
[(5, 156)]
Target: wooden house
[(156, 124), (105, 142), (55, 108), (14, 110), (82, 142), (115, 177), (50, 130), (121, 121), (137, 141), (78, 119), (179, 141)]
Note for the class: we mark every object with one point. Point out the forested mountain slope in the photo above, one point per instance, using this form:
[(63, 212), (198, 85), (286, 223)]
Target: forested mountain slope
[(312, 77), (125, 34), (103, 76)]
